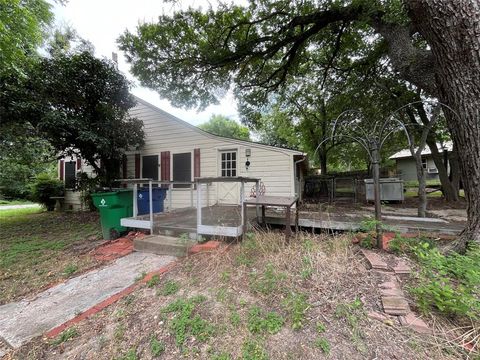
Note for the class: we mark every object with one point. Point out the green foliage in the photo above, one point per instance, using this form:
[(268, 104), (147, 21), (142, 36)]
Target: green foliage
[(44, 188), (449, 283), (156, 347), (253, 350), (296, 305), (268, 282), (258, 322), (23, 25), (235, 318), (223, 126), (321, 328), (77, 103), (65, 336), (186, 323), (401, 245), (130, 355), (169, 288), (323, 344), (154, 281)]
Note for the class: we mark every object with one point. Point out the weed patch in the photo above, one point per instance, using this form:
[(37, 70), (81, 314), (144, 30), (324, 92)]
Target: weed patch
[(296, 306), (65, 336), (154, 281), (253, 350), (323, 344), (449, 283), (186, 323), (258, 322), (268, 282), (156, 347), (169, 288)]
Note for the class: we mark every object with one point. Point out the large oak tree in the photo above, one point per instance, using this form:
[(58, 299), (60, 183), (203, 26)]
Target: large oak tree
[(193, 56)]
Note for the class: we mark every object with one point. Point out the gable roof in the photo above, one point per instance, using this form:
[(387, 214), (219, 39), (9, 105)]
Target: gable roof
[(213, 136), (405, 153)]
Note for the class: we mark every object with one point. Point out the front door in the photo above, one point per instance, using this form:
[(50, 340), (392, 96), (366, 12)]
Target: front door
[(228, 192), (150, 167)]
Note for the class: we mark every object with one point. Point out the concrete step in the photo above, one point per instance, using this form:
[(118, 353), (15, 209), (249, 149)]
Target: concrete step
[(175, 231), (163, 245)]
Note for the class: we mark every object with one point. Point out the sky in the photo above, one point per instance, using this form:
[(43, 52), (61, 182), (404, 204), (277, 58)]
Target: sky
[(102, 21)]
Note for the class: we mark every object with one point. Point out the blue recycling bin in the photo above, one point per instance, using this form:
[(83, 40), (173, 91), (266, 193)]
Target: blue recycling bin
[(143, 203)]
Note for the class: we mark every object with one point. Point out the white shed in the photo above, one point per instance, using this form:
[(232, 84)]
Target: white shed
[(175, 150)]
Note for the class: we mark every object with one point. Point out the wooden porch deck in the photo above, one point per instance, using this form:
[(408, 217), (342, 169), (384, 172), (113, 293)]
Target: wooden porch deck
[(184, 221)]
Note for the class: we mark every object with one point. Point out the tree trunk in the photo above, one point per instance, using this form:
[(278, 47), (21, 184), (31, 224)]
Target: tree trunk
[(455, 170), (422, 185), (448, 188), (451, 29)]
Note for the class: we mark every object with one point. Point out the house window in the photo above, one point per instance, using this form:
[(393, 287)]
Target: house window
[(70, 172), (182, 169), (228, 163), (424, 163)]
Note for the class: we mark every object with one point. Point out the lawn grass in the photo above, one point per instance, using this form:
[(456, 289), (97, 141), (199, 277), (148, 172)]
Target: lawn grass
[(15, 202), (39, 248), (260, 299), (6, 214)]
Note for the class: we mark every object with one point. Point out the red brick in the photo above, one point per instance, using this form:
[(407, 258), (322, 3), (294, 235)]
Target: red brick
[(208, 246), (412, 321), (375, 260)]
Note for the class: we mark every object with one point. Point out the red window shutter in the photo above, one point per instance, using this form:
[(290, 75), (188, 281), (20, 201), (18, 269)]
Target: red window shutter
[(79, 163), (137, 166), (196, 163), (60, 169), (165, 166)]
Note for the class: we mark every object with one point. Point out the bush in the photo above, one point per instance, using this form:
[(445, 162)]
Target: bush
[(449, 283), (44, 188)]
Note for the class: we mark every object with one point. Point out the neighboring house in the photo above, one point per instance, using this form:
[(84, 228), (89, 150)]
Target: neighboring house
[(405, 163), (174, 150)]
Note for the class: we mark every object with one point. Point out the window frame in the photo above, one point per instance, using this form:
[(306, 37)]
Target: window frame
[(179, 186), (221, 162)]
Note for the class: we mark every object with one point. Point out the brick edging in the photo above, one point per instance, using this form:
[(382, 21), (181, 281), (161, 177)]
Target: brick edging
[(109, 301)]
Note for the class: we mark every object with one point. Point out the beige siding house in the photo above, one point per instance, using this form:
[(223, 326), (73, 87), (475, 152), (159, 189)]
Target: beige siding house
[(406, 167), (174, 150)]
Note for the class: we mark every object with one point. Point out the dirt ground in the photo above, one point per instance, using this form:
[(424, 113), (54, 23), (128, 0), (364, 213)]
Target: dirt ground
[(260, 299)]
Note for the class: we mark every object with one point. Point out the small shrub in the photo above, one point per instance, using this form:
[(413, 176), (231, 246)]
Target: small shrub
[(296, 306), (169, 288), (44, 188), (449, 283), (253, 350), (156, 347), (323, 344), (257, 323)]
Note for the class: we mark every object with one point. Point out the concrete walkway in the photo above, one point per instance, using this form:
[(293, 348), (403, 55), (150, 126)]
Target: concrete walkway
[(24, 320)]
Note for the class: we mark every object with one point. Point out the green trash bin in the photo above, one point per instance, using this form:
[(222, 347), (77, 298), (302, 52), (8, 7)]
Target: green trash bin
[(113, 206)]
